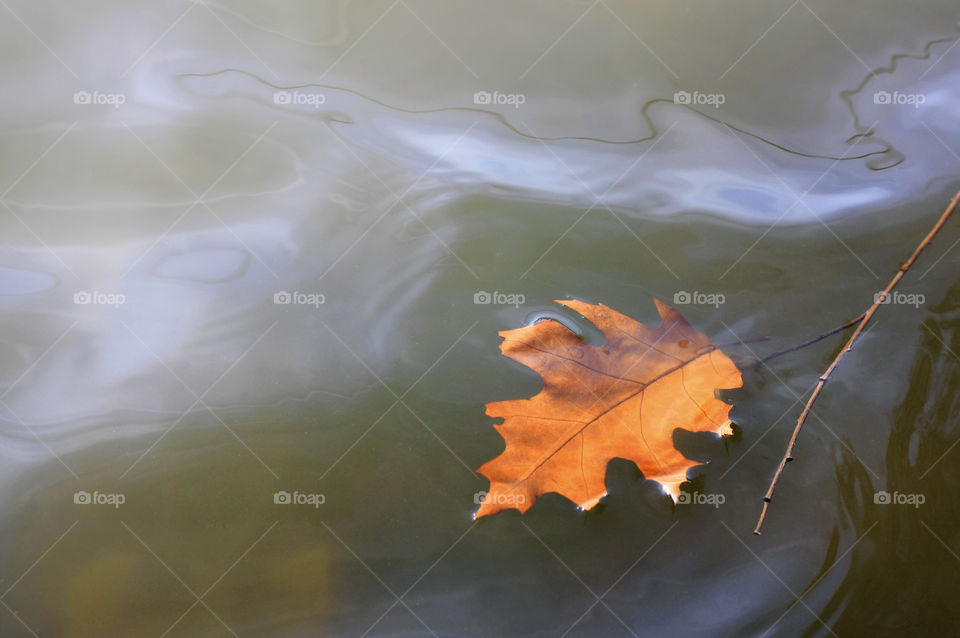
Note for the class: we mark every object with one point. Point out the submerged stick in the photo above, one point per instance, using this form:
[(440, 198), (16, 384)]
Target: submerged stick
[(863, 321)]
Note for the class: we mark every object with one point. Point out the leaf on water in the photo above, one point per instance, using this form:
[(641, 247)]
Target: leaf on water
[(623, 399)]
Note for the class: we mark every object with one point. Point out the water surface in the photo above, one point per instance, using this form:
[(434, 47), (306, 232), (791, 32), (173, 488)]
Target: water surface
[(235, 157)]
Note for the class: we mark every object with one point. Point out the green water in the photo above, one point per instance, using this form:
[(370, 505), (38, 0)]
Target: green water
[(335, 154)]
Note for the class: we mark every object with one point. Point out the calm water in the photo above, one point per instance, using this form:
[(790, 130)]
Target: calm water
[(173, 173)]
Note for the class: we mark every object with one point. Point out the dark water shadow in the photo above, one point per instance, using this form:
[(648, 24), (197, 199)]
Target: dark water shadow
[(904, 573)]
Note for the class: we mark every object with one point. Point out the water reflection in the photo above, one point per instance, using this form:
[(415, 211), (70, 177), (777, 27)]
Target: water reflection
[(907, 566), (188, 375)]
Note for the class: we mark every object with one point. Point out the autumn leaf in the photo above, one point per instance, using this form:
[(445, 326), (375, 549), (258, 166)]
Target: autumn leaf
[(623, 399)]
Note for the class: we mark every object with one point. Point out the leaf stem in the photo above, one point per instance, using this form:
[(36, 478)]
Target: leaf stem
[(810, 342)]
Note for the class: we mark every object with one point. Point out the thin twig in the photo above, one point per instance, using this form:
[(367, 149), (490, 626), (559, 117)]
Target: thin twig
[(788, 455)]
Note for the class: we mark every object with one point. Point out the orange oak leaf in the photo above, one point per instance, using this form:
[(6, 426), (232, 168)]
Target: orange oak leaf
[(623, 399)]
